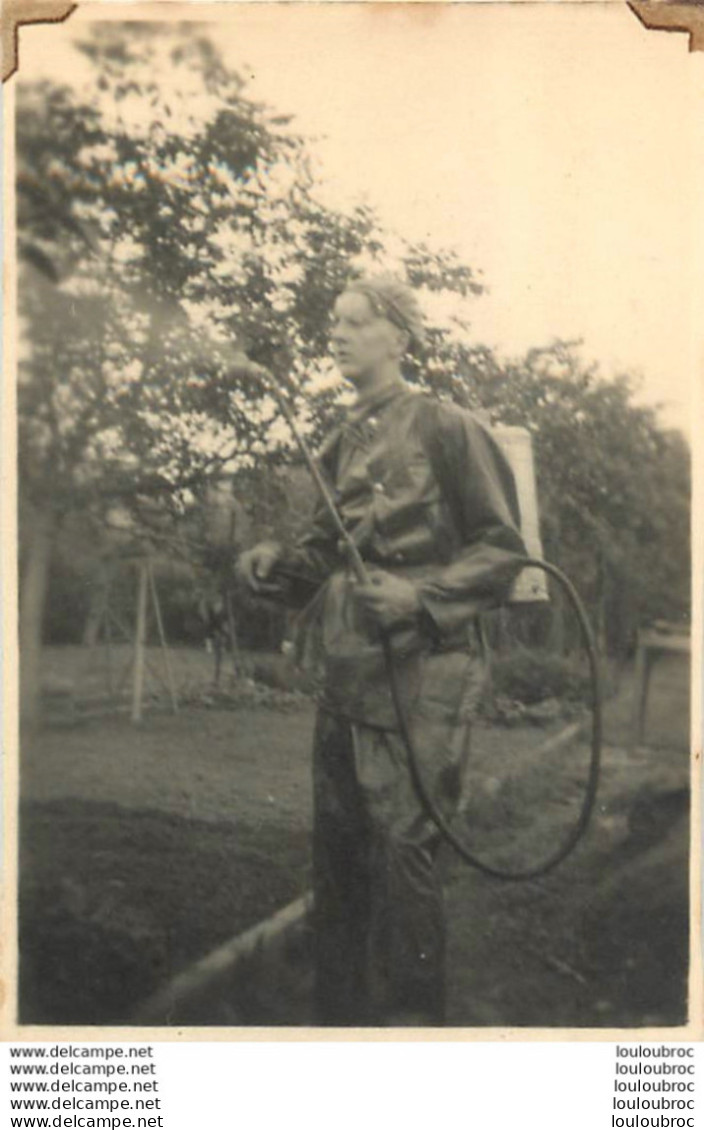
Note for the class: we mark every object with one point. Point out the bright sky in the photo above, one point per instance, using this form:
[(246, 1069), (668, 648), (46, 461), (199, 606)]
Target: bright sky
[(554, 145)]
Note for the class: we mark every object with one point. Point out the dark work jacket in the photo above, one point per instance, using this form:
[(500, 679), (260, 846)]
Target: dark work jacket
[(425, 492)]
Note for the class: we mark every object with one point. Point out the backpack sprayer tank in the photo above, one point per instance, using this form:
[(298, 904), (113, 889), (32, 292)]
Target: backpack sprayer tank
[(517, 446)]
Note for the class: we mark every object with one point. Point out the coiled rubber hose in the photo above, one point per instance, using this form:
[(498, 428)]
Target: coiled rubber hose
[(580, 826)]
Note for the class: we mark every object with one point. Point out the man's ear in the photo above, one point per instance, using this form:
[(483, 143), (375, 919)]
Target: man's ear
[(402, 341)]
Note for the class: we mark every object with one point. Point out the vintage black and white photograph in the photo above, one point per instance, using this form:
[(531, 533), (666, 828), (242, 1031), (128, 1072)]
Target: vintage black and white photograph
[(355, 363)]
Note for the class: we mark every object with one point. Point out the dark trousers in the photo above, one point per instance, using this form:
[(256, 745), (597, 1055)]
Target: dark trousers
[(378, 917)]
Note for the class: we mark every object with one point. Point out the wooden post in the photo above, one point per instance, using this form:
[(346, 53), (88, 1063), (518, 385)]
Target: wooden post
[(139, 640), (97, 619), (234, 646), (33, 590), (217, 650), (107, 627), (651, 645), (162, 638), (220, 964)]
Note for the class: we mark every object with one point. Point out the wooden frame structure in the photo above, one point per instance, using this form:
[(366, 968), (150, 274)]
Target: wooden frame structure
[(107, 621)]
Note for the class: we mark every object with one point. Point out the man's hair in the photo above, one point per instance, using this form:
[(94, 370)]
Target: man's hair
[(391, 298)]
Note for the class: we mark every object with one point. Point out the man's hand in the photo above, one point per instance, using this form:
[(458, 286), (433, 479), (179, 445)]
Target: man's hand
[(256, 566), (388, 600)]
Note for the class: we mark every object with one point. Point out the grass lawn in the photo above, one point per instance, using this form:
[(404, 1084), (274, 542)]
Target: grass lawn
[(143, 847)]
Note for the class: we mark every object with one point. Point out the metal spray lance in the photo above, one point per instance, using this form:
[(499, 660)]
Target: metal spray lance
[(242, 365)]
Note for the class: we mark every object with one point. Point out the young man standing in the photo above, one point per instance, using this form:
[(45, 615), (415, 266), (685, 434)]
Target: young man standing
[(431, 505)]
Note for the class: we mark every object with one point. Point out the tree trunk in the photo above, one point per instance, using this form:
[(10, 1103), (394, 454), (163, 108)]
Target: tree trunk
[(600, 606), (33, 590)]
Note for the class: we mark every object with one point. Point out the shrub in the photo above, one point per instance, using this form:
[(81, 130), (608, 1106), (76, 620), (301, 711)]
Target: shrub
[(529, 676)]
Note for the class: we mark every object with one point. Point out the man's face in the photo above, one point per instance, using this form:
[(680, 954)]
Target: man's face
[(364, 344)]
